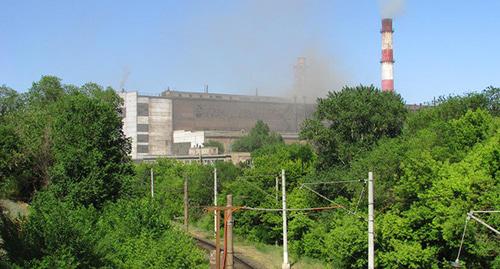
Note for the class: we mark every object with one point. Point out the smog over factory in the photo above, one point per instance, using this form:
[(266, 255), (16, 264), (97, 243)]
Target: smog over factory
[(174, 121)]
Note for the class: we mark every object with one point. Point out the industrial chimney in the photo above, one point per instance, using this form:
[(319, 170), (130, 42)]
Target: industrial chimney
[(300, 76), (387, 62)]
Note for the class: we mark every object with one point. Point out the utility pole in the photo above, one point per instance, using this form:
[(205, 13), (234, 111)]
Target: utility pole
[(215, 201), (152, 184), (217, 238), (371, 218), (277, 197), (229, 212), (286, 264), (186, 210)]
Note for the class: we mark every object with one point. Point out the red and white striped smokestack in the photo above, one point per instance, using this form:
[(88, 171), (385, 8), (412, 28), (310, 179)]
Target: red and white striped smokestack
[(387, 62)]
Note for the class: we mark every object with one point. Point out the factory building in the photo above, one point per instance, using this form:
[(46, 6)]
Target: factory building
[(176, 123), (173, 122)]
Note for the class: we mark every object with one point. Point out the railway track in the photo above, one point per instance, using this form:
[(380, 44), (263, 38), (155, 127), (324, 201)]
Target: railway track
[(208, 246)]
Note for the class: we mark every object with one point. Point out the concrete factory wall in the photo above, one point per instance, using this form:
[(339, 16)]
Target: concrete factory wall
[(150, 121), (160, 126), (223, 115)]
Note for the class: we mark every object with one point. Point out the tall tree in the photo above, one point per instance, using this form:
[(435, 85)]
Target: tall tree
[(349, 122), (259, 136), (217, 144), (91, 162), (10, 100), (67, 137), (47, 89)]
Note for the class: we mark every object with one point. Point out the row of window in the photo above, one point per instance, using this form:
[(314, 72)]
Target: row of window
[(142, 109), (142, 148), (143, 138), (143, 128)]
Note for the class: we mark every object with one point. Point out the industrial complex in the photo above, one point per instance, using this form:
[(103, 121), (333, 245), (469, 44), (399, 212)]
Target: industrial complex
[(175, 122)]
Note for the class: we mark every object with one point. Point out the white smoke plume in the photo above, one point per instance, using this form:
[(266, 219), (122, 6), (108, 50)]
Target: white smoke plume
[(391, 8), (125, 75), (321, 74)]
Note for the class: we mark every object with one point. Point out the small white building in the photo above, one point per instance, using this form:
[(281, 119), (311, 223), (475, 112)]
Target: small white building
[(196, 139)]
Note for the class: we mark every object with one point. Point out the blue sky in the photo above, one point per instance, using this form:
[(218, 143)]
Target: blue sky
[(441, 47)]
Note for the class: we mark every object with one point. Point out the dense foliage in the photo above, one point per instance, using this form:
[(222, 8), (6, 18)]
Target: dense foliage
[(62, 149), (67, 136), (217, 144), (128, 233), (431, 168), (259, 136), (348, 122)]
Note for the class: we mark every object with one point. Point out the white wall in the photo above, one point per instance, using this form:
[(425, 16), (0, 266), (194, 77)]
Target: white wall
[(195, 138), (130, 120), (160, 126)]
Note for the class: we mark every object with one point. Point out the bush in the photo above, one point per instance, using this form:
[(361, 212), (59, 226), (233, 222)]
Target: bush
[(217, 144), (259, 136), (128, 233)]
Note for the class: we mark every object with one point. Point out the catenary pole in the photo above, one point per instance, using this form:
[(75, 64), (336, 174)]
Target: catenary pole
[(230, 251), (371, 216), (286, 264), (186, 200), (215, 200), (217, 238), (276, 192)]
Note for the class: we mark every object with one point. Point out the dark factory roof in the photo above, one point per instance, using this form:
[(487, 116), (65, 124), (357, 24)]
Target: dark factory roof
[(227, 97)]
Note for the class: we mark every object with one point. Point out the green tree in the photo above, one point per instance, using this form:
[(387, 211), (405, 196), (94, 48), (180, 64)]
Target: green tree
[(64, 135), (48, 89), (13, 182), (217, 144), (349, 122), (91, 163), (259, 136), (256, 188), (10, 100)]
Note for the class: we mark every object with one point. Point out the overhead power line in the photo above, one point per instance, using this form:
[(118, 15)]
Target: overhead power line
[(334, 182), (290, 209)]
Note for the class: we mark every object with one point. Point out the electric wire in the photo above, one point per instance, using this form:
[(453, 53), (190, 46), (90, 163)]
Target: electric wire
[(271, 197), (333, 182), (289, 209), (333, 202), (360, 196)]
